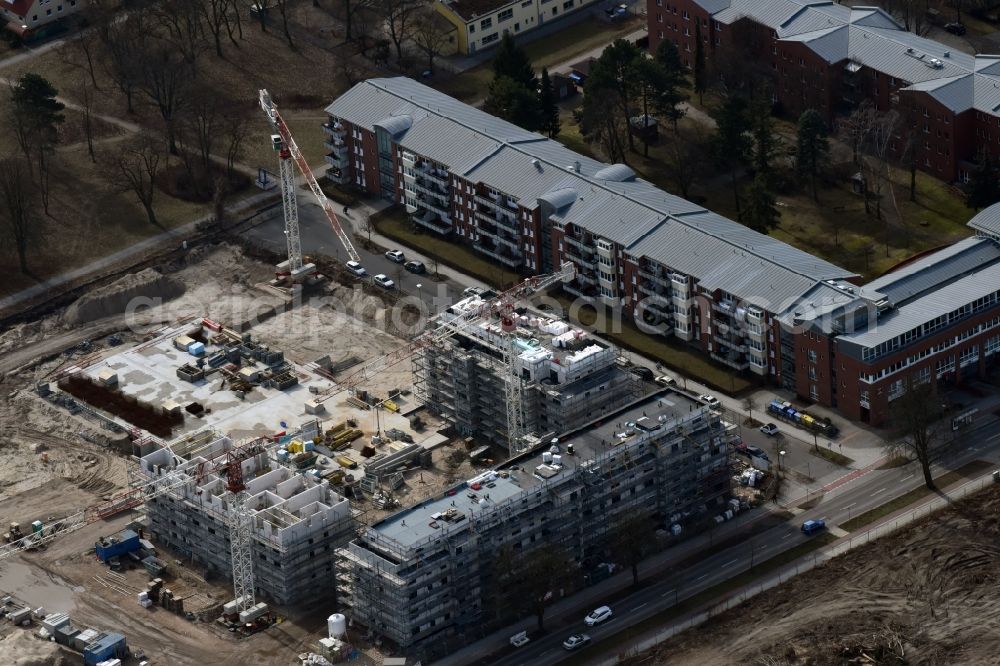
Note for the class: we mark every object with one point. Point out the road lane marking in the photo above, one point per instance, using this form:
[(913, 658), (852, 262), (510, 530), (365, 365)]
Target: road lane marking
[(788, 535), (880, 490), (641, 606), (544, 653), (732, 562), (667, 592), (701, 577), (852, 504)]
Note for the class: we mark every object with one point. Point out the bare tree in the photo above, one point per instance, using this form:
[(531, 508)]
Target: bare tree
[(686, 159), (125, 43), (82, 52), (399, 18), (215, 14), (283, 10), (166, 78), (85, 96), (350, 9), (876, 158), (183, 26), (431, 34), (234, 130), (262, 7), (920, 428), (134, 169), (630, 539), (18, 222)]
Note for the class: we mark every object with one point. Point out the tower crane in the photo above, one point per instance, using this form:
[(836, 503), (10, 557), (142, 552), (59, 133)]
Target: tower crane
[(288, 152), (240, 526)]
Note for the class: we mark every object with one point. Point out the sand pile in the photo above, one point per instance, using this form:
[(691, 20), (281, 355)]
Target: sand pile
[(148, 285), (22, 648)]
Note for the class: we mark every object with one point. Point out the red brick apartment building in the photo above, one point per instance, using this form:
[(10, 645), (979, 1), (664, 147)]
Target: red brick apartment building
[(749, 301), (830, 57)]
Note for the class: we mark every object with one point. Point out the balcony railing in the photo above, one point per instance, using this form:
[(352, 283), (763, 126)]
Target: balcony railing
[(433, 221), (334, 160), (502, 254), (335, 129)]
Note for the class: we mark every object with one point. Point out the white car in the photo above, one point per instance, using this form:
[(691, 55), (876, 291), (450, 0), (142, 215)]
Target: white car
[(356, 268), (576, 641), (384, 281), (769, 429), (472, 291), (710, 400), (664, 380), (597, 616), (396, 256)]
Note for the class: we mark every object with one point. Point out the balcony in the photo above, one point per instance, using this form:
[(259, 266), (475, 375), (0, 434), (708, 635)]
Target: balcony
[(335, 129), (339, 161), (499, 236), (337, 175), (653, 276), (733, 360), (502, 254), (424, 185), (433, 221), (582, 291), (587, 259), (338, 146), (437, 174)]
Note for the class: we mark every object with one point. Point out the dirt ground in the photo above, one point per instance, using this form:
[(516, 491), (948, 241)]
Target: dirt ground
[(50, 469), (926, 595)]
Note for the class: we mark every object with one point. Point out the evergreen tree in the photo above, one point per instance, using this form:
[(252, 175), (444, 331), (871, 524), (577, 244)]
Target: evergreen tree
[(765, 142), (732, 144), (760, 212), (548, 107), (813, 148), (984, 189), (511, 101), (649, 82), (700, 75), (511, 61), (673, 82), (613, 74)]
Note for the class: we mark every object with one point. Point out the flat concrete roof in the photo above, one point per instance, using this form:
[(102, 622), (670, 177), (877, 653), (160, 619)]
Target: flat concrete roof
[(148, 371), (464, 502), (602, 436)]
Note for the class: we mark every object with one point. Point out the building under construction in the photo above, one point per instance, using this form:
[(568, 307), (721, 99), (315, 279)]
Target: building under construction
[(297, 520), (566, 378), (423, 577)]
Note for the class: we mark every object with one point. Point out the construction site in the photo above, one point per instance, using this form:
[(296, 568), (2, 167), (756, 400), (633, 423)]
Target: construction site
[(237, 469)]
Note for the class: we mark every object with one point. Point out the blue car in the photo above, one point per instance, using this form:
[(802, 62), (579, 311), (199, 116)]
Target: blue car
[(813, 526)]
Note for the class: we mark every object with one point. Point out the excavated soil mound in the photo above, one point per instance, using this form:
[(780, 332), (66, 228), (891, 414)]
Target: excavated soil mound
[(115, 298), (21, 648)]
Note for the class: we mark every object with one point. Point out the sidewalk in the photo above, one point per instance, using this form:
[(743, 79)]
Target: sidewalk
[(577, 605)]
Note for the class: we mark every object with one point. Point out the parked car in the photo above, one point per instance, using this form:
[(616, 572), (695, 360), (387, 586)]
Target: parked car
[(472, 291), (756, 452), (356, 268), (576, 641), (384, 281), (642, 372), (519, 639), (664, 380), (396, 256), (769, 429), (813, 526), (710, 400), (955, 28), (741, 447), (597, 616), (415, 267)]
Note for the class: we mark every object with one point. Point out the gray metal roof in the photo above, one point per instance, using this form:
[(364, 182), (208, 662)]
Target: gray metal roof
[(869, 37), (607, 200), (930, 304), (930, 272), (987, 221), (395, 125)]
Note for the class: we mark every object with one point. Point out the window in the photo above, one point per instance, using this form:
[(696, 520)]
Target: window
[(489, 39), (505, 15), (568, 4), (472, 29), (486, 23)]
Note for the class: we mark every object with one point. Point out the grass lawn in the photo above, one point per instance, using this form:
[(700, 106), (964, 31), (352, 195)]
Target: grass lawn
[(396, 225), (965, 471), (832, 456), (547, 51), (89, 220)]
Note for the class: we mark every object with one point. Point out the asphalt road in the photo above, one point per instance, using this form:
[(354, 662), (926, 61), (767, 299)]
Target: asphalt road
[(852, 499), (318, 239)]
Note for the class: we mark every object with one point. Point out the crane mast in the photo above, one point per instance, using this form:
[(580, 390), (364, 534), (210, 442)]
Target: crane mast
[(288, 142)]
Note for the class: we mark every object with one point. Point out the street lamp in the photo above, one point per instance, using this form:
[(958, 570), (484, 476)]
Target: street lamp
[(781, 459), (420, 293)]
